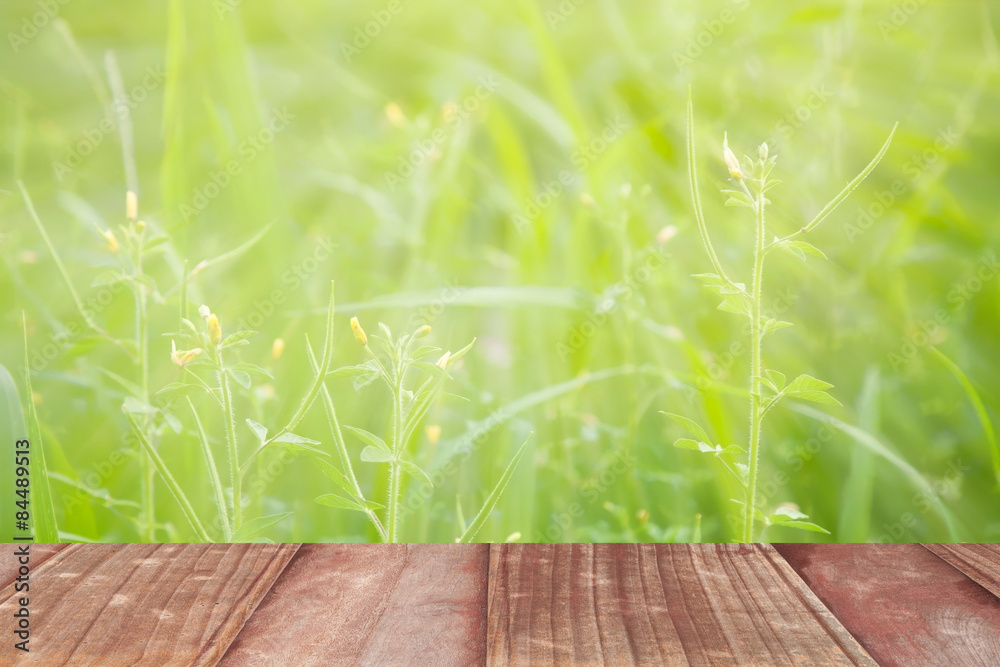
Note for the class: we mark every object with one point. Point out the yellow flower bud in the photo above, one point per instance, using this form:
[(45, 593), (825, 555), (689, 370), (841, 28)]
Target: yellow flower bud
[(183, 357), (359, 333), (423, 331), (214, 328), (732, 163), (277, 347), (433, 433), (109, 236), (443, 361), (131, 205)]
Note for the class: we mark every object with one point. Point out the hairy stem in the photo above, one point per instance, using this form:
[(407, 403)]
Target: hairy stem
[(213, 476), (146, 474), (338, 441), (755, 404), (397, 439), (234, 462)]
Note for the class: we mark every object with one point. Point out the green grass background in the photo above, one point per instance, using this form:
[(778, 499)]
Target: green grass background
[(822, 83)]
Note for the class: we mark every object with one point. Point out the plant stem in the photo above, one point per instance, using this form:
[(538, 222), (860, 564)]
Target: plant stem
[(236, 478), (397, 438), (307, 401), (338, 441), (213, 476), (147, 479), (755, 404)]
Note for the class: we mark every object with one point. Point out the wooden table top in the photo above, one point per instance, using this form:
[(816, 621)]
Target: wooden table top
[(508, 604)]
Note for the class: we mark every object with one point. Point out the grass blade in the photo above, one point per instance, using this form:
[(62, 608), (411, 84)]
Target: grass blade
[(977, 404), (168, 478), (213, 476), (869, 441), (43, 510), (494, 496)]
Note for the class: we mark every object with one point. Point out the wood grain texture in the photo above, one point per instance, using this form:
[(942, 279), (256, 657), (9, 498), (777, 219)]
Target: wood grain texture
[(372, 604), (628, 604), (905, 605), (981, 562), (38, 554), (144, 604)]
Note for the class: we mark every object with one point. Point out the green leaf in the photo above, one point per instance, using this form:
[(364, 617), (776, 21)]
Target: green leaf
[(333, 500), (740, 304), (240, 377), (772, 325), (254, 527), (691, 427), (352, 371), (416, 472), (372, 439), (494, 496), (808, 388), (777, 379), (738, 198), (375, 455), (299, 441), (333, 473), (802, 525), (251, 368), (135, 406), (786, 514), (178, 388), (238, 338), (801, 249), (293, 439), (686, 443), (259, 430), (461, 353)]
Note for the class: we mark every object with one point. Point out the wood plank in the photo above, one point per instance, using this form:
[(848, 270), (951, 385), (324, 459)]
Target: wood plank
[(644, 604), (980, 562), (905, 605), (372, 604), (144, 604), (38, 553)]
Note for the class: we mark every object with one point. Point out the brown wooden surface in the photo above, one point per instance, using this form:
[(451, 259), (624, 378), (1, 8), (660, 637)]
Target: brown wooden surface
[(372, 604), (143, 604), (901, 602), (981, 562), (657, 604), (38, 554)]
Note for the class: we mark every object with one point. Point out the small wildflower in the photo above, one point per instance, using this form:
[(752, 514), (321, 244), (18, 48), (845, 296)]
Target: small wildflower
[(666, 234), (183, 357), (359, 333), (277, 347), (443, 361), (731, 162), (131, 205), (423, 331), (204, 311), (395, 115), (109, 236), (214, 328)]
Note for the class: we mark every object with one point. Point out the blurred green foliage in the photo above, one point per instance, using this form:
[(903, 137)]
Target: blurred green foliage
[(514, 172)]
